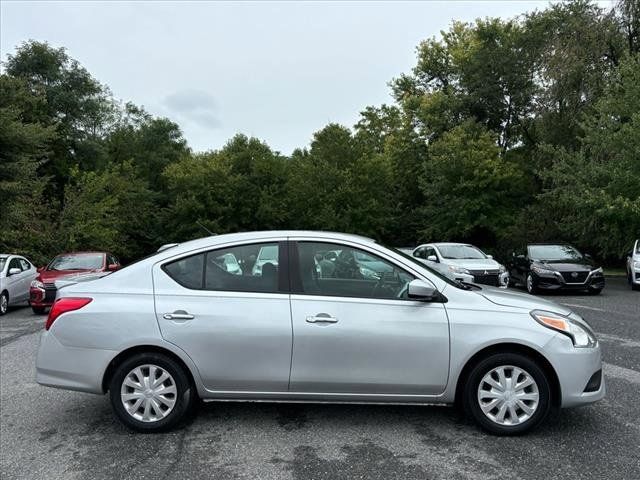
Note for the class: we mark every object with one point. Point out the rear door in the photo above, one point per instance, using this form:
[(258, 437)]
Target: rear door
[(234, 324), (356, 334)]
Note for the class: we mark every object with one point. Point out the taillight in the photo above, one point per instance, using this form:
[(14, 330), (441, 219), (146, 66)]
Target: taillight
[(64, 305)]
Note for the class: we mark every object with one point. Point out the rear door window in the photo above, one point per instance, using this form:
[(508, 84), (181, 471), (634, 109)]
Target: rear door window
[(241, 268)]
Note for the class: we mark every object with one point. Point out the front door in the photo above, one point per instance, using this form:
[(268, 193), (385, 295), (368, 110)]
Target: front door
[(232, 319), (355, 330)]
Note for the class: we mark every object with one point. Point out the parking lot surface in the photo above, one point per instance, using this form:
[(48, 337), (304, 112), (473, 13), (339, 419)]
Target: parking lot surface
[(47, 433)]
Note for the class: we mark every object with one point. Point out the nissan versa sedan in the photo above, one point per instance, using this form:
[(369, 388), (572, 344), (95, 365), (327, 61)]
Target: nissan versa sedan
[(176, 326), (548, 266)]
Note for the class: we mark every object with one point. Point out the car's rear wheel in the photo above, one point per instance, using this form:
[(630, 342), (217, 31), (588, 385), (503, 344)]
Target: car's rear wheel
[(151, 392), (4, 303), (507, 394)]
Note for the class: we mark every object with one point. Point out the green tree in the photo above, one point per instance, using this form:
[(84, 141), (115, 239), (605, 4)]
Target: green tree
[(594, 192), (24, 147), (77, 106), (111, 210), (471, 193)]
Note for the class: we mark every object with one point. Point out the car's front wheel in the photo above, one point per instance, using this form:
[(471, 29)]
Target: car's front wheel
[(507, 394), (531, 286), (151, 392)]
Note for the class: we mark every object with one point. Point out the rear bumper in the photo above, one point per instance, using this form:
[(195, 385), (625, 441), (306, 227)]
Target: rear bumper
[(70, 368)]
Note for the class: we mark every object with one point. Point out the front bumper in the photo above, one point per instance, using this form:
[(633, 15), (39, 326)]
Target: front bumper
[(42, 297), (575, 368), (557, 282)]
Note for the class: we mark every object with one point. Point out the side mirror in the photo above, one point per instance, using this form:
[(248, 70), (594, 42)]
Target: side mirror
[(14, 271), (586, 255), (432, 258), (420, 290), (490, 257), (112, 267), (521, 257)]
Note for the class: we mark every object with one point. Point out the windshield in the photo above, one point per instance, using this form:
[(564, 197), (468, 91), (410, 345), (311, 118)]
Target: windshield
[(460, 252), (637, 248), (416, 261), (553, 253), (3, 260), (84, 261), (268, 253)]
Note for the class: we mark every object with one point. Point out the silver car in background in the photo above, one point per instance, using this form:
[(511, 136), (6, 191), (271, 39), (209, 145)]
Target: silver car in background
[(633, 266), (177, 326), (16, 275), (465, 262)]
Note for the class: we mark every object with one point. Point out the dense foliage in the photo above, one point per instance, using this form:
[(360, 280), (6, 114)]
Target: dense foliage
[(505, 130)]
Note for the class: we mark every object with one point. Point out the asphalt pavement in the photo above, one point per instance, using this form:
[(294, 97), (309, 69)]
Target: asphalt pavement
[(54, 434)]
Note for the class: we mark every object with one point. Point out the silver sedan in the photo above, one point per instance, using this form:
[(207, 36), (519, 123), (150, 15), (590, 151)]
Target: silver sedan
[(311, 327)]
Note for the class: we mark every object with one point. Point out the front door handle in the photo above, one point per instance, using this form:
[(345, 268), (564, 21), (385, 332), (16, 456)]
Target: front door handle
[(178, 315), (322, 318)]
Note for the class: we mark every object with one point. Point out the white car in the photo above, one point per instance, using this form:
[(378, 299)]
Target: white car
[(466, 262), (16, 275), (633, 266)]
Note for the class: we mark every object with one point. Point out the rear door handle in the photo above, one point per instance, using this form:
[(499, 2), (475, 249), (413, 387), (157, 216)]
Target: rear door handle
[(322, 318), (178, 315)]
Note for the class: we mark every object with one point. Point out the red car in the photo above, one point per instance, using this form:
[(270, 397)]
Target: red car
[(43, 289)]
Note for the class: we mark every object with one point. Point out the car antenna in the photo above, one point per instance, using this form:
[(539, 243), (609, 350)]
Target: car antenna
[(206, 229)]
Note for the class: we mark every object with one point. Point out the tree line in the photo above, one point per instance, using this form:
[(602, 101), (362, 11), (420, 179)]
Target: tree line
[(505, 131)]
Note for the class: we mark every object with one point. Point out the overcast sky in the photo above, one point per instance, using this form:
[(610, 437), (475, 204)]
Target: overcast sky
[(275, 70)]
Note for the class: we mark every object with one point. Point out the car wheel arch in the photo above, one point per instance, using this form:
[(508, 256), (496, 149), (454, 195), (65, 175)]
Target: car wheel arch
[(533, 354), (129, 352)]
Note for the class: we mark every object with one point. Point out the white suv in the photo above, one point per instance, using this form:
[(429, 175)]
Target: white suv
[(633, 266), (463, 260)]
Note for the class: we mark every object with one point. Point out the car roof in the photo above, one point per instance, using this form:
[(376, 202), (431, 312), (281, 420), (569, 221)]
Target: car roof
[(446, 244), (257, 236), (83, 253)]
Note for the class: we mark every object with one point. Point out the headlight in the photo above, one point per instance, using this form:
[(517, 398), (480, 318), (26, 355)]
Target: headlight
[(580, 333), (598, 271), (455, 269), (542, 271), (37, 284)]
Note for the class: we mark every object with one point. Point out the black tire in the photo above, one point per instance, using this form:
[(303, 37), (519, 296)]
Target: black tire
[(4, 303), (529, 285), (471, 403), (635, 287), (185, 392), (38, 310)]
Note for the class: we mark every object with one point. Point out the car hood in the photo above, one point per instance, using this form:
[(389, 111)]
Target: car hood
[(509, 298), (49, 276), (473, 263), (570, 266)]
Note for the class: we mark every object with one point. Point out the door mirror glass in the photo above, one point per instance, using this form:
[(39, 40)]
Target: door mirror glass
[(421, 290), (432, 258), (14, 271)]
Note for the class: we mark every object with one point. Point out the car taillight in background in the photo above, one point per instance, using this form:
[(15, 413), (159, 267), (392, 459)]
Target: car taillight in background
[(64, 305)]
